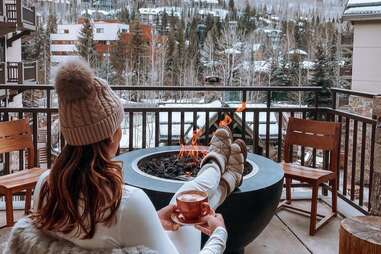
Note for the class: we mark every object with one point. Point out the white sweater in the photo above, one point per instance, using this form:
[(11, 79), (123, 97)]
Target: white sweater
[(138, 224)]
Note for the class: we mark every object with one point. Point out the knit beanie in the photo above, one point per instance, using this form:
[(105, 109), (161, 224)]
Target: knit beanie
[(89, 111)]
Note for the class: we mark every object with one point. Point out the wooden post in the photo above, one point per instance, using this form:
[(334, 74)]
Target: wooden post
[(20, 73), (375, 200)]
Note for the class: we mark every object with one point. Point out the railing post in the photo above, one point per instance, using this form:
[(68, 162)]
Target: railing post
[(375, 197), (20, 73), (19, 12)]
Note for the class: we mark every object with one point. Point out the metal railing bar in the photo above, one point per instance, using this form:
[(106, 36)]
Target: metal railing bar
[(354, 154), (362, 163)]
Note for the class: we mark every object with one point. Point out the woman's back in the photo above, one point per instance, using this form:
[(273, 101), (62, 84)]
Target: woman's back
[(137, 223)]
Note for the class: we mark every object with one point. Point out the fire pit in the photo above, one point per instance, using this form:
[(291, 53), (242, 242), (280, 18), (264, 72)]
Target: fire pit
[(247, 211), (170, 165)]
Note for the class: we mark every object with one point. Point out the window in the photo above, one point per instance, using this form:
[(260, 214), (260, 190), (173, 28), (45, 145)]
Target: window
[(66, 31), (100, 30), (124, 30)]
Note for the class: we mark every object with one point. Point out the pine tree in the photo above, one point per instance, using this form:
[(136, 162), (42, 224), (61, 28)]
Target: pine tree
[(118, 60), (35, 50), (193, 48), (137, 52), (51, 28), (124, 16), (232, 10), (280, 77), (246, 23), (163, 23), (320, 77), (170, 64), (86, 43)]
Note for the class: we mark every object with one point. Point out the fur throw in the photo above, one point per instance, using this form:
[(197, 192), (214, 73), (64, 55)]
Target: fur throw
[(25, 238)]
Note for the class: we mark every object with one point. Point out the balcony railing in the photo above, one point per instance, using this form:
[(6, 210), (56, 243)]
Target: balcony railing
[(262, 126), (18, 72), (16, 12)]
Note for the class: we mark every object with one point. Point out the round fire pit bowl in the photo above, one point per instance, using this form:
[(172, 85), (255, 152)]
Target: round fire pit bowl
[(247, 211)]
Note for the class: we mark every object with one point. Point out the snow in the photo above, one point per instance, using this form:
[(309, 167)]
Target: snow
[(363, 2)]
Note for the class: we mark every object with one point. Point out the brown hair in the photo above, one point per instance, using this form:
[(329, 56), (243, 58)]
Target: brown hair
[(84, 188)]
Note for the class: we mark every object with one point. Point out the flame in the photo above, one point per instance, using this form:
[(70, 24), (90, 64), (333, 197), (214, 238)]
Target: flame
[(192, 150), (226, 122), (242, 107)]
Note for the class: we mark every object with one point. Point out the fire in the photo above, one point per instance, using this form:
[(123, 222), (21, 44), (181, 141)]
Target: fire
[(226, 122), (242, 107), (193, 151)]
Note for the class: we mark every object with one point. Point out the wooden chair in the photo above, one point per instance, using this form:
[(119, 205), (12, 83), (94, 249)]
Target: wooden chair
[(315, 134), (16, 136)]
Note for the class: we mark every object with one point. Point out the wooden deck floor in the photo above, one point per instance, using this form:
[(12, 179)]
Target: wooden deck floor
[(287, 233)]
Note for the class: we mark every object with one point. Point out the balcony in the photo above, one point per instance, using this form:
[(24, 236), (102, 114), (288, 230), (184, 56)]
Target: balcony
[(18, 72), (164, 116), (14, 16)]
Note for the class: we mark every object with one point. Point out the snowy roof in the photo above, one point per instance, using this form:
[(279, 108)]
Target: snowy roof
[(308, 65), (297, 51), (262, 66), (262, 119), (232, 51), (203, 1), (93, 11), (221, 13), (175, 11), (357, 10), (259, 66), (257, 46)]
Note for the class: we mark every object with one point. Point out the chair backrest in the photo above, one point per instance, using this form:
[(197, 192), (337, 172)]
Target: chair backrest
[(15, 136), (315, 134)]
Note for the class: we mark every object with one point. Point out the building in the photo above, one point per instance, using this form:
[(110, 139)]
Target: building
[(16, 20), (365, 15), (63, 43)]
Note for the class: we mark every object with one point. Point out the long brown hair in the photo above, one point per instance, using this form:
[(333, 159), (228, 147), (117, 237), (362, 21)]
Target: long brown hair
[(84, 188)]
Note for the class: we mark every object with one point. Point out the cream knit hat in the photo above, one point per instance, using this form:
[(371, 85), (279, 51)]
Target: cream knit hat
[(89, 111)]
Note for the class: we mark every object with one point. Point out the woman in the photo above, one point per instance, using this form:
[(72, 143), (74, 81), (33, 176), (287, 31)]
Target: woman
[(83, 198)]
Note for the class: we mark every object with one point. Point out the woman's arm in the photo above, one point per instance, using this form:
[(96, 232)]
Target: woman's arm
[(216, 243), (140, 223)]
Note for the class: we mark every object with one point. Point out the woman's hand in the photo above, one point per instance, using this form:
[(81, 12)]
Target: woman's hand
[(212, 222), (165, 218)]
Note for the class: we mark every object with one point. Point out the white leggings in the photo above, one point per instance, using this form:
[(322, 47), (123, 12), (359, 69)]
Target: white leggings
[(208, 181)]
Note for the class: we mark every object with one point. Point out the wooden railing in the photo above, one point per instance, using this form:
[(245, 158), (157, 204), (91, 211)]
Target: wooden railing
[(1, 7), (19, 72), (16, 12), (262, 127)]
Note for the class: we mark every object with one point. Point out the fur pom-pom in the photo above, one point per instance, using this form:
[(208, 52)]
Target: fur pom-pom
[(74, 80)]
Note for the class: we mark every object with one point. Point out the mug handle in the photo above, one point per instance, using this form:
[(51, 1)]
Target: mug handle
[(205, 208)]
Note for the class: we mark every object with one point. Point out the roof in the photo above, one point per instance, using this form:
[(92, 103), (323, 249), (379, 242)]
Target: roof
[(359, 10)]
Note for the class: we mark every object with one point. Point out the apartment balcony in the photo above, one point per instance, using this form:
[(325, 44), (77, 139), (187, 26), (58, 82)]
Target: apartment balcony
[(18, 72), (14, 16), (167, 116)]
